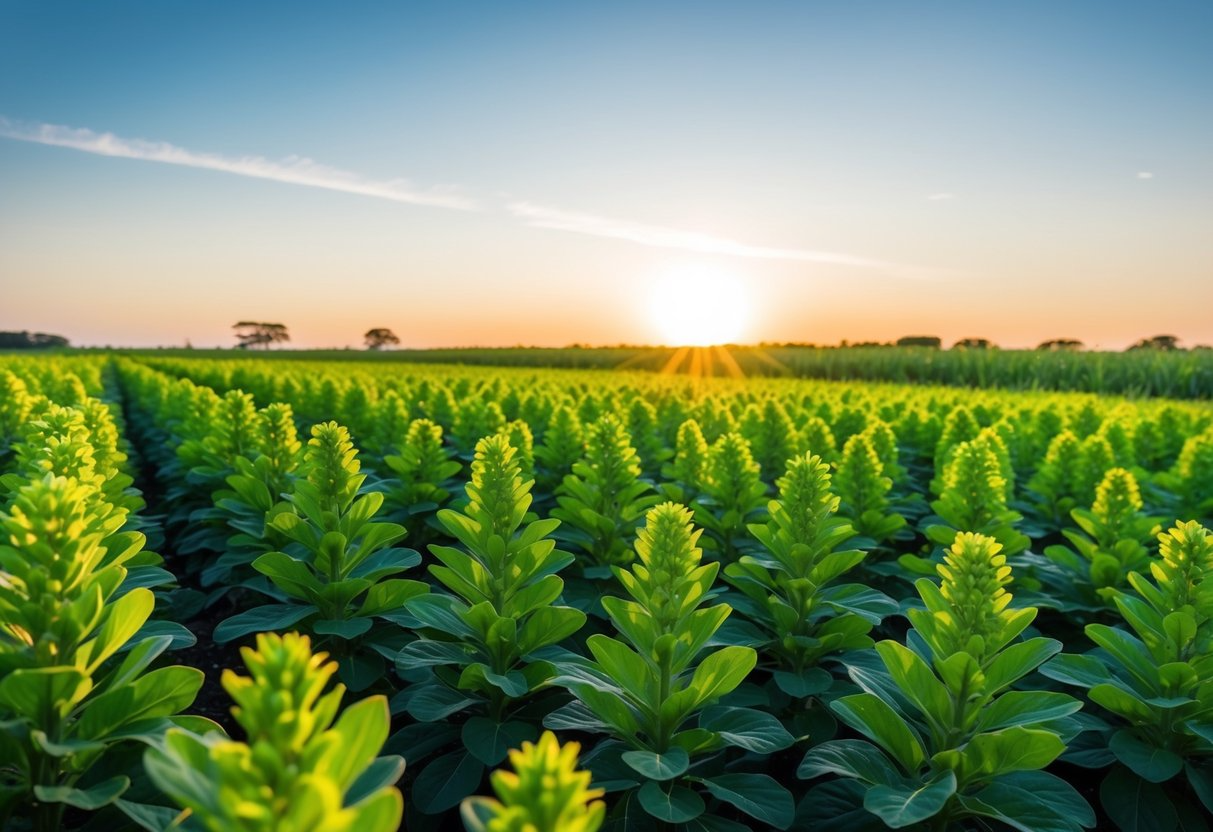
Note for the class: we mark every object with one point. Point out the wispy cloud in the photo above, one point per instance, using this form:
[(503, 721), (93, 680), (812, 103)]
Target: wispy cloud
[(1145, 174), (296, 170), (940, 197), (543, 216)]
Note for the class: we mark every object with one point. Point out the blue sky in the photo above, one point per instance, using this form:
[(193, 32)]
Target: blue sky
[(1019, 171)]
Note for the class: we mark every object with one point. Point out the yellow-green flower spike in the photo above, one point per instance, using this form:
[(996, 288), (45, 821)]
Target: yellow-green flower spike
[(544, 793)]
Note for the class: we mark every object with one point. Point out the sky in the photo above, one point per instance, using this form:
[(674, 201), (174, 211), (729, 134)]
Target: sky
[(551, 173)]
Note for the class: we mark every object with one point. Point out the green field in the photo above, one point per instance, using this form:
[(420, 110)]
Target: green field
[(1180, 374), (887, 589)]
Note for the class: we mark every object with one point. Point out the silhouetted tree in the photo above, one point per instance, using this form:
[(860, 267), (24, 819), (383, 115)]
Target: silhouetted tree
[(30, 340), (919, 341), (1158, 342), (1055, 344), (973, 344), (255, 333), (380, 337)]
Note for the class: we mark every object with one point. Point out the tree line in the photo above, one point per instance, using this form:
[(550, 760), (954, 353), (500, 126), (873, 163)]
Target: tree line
[(25, 340)]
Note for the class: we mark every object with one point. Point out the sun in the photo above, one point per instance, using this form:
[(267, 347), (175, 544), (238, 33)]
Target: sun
[(699, 307)]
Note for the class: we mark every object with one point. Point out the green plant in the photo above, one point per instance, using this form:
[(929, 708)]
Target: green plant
[(685, 472), (424, 475), (479, 645), (1190, 481), (1111, 542), (66, 699), (336, 570), (786, 589), (733, 494), (863, 489), (1156, 682), (302, 767), (974, 495), (647, 689), (562, 447), (545, 791), (254, 495), (946, 740), (603, 500)]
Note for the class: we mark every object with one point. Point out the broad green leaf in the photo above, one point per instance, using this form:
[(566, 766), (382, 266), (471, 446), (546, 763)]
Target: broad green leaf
[(629, 670), (746, 728), (655, 766), (1026, 708), (758, 795), (434, 702), (900, 806), (425, 652), (1119, 701), (490, 741), (1012, 749), (1201, 779), (293, 577), (381, 812), (344, 628), (382, 772), (1148, 761), (916, 680), (32, 692), (267, 618), (1018, 660), (445, 781), (362, 727), (849, 758), (870, 716), (149, 817), (1136, 805), (549, 625), (1126, 649), (721, 672), (90, 799), (803, 685), (1082, 670), (675, 804), (1032, 801), (123, 619)]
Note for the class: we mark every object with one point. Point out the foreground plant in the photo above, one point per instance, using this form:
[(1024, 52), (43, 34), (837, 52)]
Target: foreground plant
[(65, 700), (478, 645), (301, 769), (654, 697), (946, 740), (1156, 683), (545, 792)]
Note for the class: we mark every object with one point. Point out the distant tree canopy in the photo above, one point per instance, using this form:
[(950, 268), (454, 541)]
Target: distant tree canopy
[(257, 334), (919, 341), (845, 343), (1158, 342), (380, 337), (973, 344), (1055, 344), (30, 340)]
